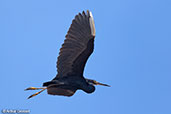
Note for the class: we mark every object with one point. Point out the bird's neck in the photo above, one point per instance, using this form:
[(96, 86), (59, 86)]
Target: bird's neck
[(88, 88)]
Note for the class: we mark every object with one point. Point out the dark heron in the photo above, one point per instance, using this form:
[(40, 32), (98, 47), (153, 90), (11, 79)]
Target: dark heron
[(75, 50)]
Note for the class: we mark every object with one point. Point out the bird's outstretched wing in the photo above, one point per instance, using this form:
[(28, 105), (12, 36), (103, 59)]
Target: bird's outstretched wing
[(77, 46)]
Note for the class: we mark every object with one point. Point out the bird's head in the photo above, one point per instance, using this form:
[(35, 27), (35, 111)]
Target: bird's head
[(93, 82)]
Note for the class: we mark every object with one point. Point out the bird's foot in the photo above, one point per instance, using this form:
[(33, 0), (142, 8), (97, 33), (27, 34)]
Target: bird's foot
[(34, 88)]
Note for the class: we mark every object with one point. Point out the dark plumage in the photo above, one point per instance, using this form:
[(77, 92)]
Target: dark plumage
[(73, 55)]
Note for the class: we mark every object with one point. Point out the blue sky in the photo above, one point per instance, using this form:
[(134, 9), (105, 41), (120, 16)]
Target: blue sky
[(132, 54)]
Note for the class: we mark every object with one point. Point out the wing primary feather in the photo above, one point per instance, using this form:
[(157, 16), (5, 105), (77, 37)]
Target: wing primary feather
[(92, 25)]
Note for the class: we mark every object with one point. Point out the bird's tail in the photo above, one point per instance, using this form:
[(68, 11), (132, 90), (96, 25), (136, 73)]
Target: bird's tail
[(49, 83)]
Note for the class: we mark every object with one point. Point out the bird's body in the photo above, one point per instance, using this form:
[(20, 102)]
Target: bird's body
[(68, 84), (73, 55)]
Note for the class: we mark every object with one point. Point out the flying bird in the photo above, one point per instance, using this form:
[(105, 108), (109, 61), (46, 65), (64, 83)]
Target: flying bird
[(76, 49)]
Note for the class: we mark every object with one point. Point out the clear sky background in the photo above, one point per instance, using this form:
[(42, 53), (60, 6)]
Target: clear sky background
[(132, 54)]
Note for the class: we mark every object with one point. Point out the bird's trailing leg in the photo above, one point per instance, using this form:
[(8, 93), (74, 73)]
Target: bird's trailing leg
[(34, 88)]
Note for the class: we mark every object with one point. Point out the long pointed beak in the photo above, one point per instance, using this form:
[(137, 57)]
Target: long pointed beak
[(98, 83)]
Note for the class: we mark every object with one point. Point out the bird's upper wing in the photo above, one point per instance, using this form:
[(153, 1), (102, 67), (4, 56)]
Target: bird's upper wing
[(77, 46)]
